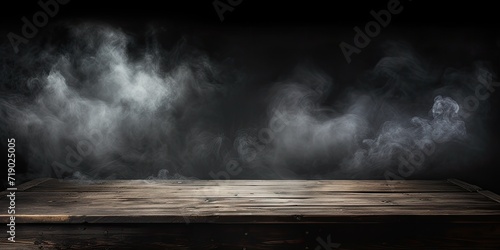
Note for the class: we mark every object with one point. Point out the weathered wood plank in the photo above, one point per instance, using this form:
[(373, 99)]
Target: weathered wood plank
[(253, 214), (27, 185), (465, 185), (246, 182), (257, 236), (351, 216), (324, 185), (54, 201), (244, 193), (102, 200), (264, 214), (490, 195), (358, 189)]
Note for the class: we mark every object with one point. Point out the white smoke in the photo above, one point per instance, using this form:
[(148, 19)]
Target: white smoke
[(101, 108)]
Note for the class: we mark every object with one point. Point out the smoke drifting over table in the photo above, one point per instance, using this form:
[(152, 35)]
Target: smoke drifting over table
[(104, 103)]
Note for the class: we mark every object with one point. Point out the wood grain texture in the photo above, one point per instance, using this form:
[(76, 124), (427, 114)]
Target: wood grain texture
[(254, 214), (256, 236), (243, 201), (27, 185)]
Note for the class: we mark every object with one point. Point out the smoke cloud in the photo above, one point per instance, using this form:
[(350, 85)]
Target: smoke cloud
[(101, 106)]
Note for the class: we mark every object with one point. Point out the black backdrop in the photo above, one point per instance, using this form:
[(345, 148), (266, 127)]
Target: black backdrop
[(294, 30)]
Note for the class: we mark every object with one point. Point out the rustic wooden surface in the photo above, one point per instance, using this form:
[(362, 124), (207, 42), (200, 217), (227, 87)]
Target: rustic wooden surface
[(254, 214)]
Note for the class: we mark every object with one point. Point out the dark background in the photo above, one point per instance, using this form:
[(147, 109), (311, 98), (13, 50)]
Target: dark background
[(287, 13), (271, 36)]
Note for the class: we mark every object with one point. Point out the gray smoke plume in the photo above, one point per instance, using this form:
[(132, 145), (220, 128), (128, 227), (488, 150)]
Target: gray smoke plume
[(99, 107)]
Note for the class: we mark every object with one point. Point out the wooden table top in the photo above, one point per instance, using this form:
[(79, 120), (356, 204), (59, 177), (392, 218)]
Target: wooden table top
[(251, 201)]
